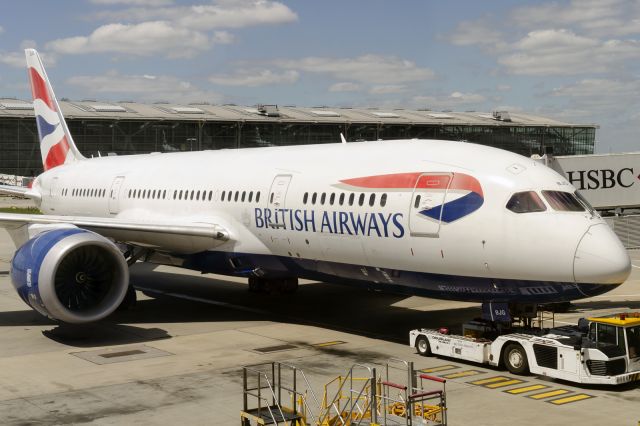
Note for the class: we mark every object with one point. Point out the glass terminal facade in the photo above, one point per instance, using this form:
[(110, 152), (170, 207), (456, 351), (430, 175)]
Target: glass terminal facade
[(20, 152)]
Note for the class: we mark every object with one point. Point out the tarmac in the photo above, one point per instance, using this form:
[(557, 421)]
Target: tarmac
[(177, 356)]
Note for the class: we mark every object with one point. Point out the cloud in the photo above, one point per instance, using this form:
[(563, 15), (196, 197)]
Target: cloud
[(146, 87), (601, 96), (155, 27), (147, 38), (387, 89), (593, 17), (345, 86), (254, 78), (13, 59), (562, 52), (470, 33), (18, 60), (451, 101), (221, 14), (240, 14), (133, 2), (371, 69), (558, 38), (1, 29)]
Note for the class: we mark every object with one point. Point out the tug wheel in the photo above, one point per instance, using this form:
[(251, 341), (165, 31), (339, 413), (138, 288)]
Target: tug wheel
[(422, 346), (515, 359)]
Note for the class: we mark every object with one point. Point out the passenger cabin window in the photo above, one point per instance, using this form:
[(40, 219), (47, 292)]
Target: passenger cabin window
[(361, 199), (332, 198), (341, 201), (352, 196), (313, 198), (323, 197), (258, 197), (372, 199), (383, 200), (305, 197), (563, 201), (525, 202)]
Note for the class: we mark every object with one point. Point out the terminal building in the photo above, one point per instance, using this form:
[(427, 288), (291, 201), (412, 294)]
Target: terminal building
[(101, 128)]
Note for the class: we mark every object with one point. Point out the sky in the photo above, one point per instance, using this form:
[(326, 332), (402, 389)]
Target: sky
[(575, 61)]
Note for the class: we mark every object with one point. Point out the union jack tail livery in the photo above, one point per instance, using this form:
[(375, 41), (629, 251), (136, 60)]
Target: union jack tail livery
[(56, 144)]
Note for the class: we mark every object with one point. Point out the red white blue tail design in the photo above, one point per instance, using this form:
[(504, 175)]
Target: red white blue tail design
[(56, 144)]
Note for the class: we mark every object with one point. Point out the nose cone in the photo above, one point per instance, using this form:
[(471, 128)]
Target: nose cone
[(601, 258)]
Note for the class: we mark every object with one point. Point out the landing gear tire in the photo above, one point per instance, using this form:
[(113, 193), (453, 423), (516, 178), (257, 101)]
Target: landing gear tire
[(129, 301), (256, 285), (515, 359), (422, 346)]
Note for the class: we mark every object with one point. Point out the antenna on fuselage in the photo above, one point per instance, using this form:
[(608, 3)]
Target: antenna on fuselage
[(342, 138)]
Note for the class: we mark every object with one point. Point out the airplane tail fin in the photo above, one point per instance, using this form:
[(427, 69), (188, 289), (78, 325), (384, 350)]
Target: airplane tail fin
[(56, 144)]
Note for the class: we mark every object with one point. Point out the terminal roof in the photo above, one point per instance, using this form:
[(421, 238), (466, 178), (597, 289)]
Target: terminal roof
[(92, 109)]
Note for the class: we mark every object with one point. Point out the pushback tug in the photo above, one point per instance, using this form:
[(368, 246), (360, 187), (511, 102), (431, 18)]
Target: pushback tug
[(598, 350)]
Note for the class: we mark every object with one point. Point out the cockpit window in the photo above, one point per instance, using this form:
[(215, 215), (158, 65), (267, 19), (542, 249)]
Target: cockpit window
[(585, 203), (525, 202), (563, 201)]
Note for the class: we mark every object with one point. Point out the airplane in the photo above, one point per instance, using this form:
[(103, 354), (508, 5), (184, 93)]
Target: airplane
[(441, 219)]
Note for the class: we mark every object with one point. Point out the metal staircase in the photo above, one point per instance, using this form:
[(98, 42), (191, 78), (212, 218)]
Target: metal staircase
[(280, 394), (276, 393)]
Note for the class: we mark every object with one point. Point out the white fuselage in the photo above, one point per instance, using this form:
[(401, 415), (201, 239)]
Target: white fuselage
[(490, 243)]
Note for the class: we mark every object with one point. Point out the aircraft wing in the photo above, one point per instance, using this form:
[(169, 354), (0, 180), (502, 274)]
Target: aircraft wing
[(183, 237), (18, 190)]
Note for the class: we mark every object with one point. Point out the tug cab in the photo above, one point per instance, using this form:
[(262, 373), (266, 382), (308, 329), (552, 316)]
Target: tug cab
[(617, 335)]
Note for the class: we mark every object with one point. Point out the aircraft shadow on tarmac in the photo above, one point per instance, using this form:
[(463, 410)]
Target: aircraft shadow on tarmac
[(337, 307)]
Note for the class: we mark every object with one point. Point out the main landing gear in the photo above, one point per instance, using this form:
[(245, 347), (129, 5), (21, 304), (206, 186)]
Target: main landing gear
[(273, 285)]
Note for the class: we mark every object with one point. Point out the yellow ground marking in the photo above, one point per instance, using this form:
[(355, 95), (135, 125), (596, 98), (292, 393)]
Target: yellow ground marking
[(462, 374), (439, 368), (323, 344), (548, 394), (490, 380), (518, 391), (504, 383), (572, 398)]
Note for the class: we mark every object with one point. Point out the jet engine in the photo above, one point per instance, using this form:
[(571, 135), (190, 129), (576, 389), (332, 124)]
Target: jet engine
[(71, 275)]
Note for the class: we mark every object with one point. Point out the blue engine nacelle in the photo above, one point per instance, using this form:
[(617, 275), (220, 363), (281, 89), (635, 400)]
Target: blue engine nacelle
[(70, 275)]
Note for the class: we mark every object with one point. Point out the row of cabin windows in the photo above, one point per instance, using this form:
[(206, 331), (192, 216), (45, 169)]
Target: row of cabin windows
[(153, 194), (330, 199), (84, 192), (240, 196)]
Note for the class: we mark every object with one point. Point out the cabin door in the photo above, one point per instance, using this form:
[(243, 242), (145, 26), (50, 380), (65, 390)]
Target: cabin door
[(429, 193), (114, 195), (277, 199)]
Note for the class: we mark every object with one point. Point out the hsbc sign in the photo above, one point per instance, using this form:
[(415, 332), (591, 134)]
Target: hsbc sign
[(606, 181), (602, 178)]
